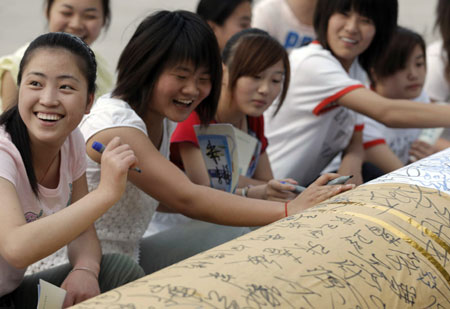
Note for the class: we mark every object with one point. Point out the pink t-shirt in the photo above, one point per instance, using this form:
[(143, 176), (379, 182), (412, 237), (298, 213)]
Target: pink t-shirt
[(72, 166)]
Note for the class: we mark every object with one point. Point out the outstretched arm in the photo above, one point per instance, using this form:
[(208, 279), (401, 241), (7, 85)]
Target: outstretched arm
[(396, 113), (166, 183)]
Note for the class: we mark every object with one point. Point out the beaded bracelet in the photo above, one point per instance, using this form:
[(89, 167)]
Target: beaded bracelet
[(85, 269)]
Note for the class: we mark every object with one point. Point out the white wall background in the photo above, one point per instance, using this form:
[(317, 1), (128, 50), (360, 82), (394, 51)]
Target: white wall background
[(22, 20)]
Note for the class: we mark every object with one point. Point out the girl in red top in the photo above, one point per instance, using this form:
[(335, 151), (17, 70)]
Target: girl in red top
[(256, 72)]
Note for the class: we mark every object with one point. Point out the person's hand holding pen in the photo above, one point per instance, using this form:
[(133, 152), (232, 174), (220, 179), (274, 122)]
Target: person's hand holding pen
[(116, 160), (99, 147), (326, 186), (273, 190), (283, 190), (336, 181)]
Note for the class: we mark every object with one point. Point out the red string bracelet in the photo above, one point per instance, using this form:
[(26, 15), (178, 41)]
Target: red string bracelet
[(285, 209)]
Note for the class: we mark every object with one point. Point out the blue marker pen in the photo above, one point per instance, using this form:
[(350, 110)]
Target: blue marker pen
[(97, 146), (340, 180)]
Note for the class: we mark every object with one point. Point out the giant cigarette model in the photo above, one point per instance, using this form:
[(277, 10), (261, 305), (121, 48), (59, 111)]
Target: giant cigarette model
[(385, 244)]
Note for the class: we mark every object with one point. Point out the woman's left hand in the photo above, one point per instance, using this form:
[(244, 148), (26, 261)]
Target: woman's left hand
[(317, 192), (420, 150), (282, 190), (274, 190), (80, 285)]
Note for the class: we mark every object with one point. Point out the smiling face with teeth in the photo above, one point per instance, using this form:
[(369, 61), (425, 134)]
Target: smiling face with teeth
[(349, 34), (179, 90), (53, 95), (83, 18)]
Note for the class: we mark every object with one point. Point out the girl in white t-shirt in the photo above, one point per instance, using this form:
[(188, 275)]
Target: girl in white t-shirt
[(319, 118), (45, 202), (170, 67), (289, 21), (398, 74)]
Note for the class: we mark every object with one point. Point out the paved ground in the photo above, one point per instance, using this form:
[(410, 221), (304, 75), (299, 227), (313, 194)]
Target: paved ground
[(22, 20)]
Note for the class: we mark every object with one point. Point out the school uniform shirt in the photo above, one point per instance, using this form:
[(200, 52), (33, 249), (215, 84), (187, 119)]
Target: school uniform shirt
[(123, 225), (104, 81), (399, 140), (277, 18), (12, 168), (311, 128), (335, 164)]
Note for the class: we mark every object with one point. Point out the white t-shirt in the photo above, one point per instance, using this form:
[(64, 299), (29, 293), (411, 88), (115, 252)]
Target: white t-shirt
[(335, 164), (436, 85), (12, 168), (277, 18), (121, 228), (311, 128), (399, 140)]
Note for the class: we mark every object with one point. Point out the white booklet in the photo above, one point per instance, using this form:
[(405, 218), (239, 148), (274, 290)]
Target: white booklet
[(50, 296), (430, 136), (227, 153)]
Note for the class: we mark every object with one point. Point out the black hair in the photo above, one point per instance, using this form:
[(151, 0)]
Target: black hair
[(218, 11), (397, 53), (251, 51), (106, 11), (383, 13), (162, 40), (11, 118)]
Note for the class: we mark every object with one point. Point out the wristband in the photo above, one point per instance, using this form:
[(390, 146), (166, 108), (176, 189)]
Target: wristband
[(85, 269), (285, 209)]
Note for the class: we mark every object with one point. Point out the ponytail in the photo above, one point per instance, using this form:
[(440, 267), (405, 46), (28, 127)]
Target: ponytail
[(16, 128)]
